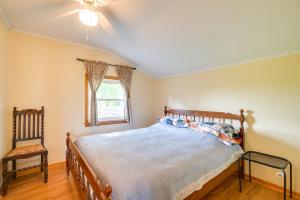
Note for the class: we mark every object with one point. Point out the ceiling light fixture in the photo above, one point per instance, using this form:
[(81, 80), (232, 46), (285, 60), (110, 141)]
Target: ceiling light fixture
[(88, 16)]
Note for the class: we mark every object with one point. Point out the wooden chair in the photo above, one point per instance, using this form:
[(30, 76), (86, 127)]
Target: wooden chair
[(27, 125)]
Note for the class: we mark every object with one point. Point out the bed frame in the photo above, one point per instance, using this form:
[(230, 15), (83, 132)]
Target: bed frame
[(95, 189)]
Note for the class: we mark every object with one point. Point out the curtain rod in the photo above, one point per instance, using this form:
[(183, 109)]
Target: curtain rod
[(82, 60)]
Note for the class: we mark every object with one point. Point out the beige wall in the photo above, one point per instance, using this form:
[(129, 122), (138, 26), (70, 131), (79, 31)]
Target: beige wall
[(45, 72), (4, 59), (268, 89)]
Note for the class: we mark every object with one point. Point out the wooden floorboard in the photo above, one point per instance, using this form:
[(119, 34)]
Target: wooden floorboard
[(228, 190), (61, 187), (32, 187)]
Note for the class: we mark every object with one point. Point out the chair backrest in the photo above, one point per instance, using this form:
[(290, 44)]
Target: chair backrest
[(28, 124)]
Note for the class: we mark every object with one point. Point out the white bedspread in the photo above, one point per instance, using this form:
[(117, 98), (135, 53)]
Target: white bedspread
[(158, 162)]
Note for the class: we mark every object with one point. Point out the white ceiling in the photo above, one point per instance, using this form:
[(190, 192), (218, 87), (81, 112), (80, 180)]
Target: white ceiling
[(170, 37)]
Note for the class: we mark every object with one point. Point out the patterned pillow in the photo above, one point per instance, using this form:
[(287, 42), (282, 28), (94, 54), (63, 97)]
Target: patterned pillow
[(227, 133), (195, 125), (208, 129), (208, 123), (166, 120), (181, 123), (202, 127)]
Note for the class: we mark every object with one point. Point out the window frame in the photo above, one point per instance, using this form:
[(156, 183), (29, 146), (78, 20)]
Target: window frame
[(108, 122)]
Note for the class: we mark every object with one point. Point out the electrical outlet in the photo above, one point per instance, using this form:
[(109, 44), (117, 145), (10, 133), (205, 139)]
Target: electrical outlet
[(279, 173)]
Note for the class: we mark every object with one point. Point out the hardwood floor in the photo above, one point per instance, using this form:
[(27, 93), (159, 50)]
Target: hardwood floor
[(228, 190), (61, 187), (32, 187)]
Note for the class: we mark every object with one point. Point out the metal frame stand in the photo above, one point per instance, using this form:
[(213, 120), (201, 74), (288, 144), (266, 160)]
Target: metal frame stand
[(242, 158)]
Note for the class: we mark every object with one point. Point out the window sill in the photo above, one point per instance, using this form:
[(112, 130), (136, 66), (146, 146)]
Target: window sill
[(103, 123)]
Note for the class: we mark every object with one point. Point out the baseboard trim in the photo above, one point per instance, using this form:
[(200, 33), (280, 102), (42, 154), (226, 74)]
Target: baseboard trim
[(57, 164), (1, 181), (272, 186)]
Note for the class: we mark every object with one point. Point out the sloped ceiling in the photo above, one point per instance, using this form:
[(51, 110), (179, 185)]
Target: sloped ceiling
[(166, 38)]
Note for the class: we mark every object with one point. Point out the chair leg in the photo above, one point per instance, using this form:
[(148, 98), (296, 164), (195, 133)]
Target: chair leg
[(45, 167), (14, 165), (5, 176), (67, 164), (42, 162)]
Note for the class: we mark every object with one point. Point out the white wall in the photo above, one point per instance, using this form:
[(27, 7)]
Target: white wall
[(44, 72)]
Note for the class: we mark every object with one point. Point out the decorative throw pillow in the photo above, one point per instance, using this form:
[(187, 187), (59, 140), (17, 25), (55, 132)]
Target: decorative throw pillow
[(166, 120), (195, 125), (227, 133), (202, 126), (206, 128), (208, 123), (181, 123)]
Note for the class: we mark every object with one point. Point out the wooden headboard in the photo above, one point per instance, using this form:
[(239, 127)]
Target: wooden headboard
[(210, 116)]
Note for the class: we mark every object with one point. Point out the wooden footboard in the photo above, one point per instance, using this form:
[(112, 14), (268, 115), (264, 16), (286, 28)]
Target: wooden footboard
[(84, 175)]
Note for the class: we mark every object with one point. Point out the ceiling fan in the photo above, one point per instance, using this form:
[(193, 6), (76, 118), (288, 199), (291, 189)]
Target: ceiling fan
[(88, 15)]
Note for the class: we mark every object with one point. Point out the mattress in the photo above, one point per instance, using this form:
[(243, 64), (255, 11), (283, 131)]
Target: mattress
[(160, 162)]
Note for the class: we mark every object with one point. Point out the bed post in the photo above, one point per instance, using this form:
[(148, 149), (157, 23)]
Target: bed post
[(242, 130), (67, 153), (242, 133), (107, 192), (166, 110)]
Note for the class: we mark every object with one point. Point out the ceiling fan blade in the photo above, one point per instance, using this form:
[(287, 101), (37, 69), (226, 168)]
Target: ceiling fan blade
[(53, 4), (66, 14), (118, 26), (105, 24)]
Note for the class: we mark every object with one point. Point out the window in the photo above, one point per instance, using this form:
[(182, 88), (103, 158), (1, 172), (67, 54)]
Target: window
[(111, 102)]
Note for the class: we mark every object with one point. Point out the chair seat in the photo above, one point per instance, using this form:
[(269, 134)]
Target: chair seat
[(26, 150)]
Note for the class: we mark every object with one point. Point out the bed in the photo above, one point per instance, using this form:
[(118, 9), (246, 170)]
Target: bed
[(157, 162)]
